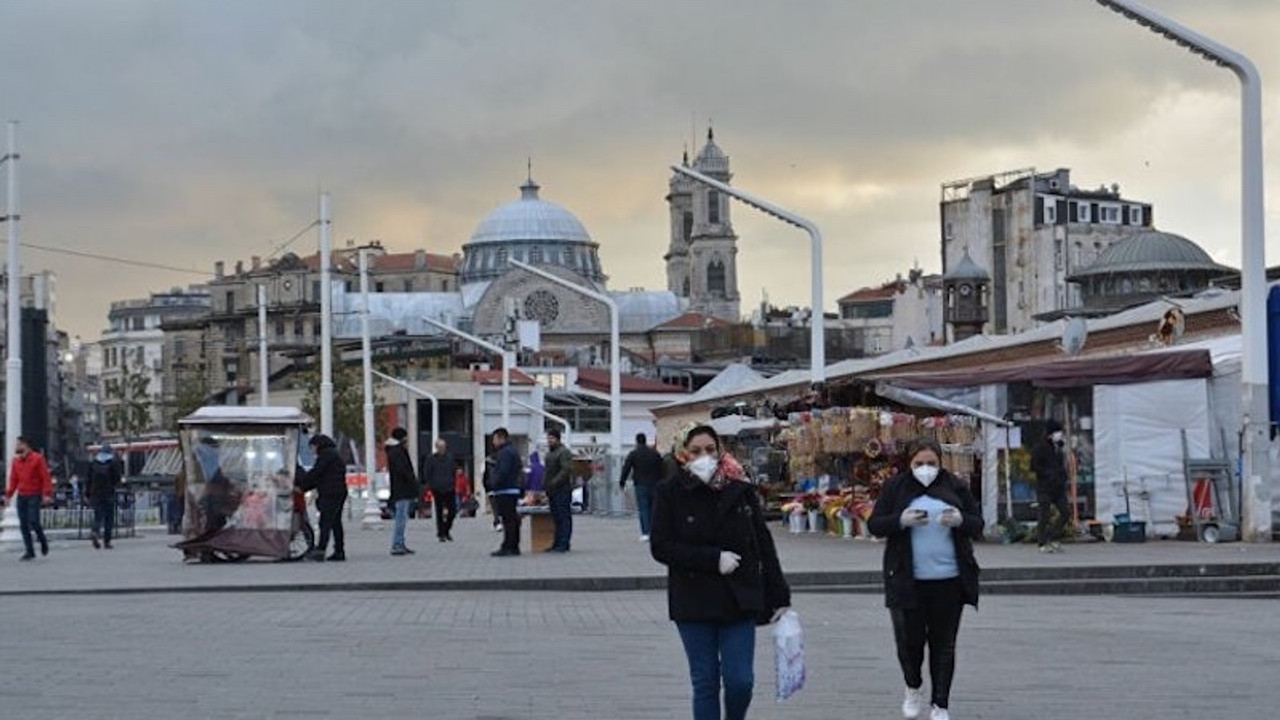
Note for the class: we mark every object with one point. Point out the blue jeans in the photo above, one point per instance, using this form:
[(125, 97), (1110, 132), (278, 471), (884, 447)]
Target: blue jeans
[(401, 519), (29, 521), (720, 652), (644, 504), (562, 514)]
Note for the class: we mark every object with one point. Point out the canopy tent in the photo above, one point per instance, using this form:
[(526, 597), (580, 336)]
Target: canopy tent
[(1077, 372), (919, 399)]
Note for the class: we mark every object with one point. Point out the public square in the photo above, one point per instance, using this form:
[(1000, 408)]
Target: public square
[(127, 641)]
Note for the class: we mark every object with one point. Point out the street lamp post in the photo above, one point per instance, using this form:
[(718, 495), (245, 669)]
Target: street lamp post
[(326, 320), (508, 359), (264, 363), (568, 429), (372, 515), (817, 330), (1256, 475), (13, 350)]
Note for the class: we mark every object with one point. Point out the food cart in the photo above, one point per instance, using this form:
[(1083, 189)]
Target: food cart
[(240, 464)]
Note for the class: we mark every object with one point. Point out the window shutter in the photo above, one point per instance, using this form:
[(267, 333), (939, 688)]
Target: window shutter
[(1074, 212)]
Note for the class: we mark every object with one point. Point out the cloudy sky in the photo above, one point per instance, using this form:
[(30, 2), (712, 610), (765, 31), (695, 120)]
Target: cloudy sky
[(184, 132)]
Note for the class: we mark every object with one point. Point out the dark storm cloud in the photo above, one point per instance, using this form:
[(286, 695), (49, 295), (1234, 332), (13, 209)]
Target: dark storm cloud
[(192, 132)]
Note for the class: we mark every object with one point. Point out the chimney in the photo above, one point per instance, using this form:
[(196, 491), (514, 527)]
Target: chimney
[(255, 262), (239, 268), (219, 268), (419, 259)]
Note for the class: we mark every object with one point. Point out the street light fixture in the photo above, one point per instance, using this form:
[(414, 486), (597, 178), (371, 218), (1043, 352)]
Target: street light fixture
[(1256, 475), (508, 359), (817, 334), (435, 402), (568, 429)]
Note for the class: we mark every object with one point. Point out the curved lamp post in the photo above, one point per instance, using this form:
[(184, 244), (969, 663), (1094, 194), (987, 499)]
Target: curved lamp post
[(508, 359), (817, 322), (1256, 475)]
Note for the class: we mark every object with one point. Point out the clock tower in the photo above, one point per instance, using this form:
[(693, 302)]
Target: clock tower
[(966, 295)]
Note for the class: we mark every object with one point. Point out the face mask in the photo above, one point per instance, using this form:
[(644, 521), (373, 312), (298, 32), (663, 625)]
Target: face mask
[(703, 467), (1058, 437), (926, 474)]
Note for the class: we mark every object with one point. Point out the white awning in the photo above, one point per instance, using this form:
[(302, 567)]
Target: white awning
[(919, 399)]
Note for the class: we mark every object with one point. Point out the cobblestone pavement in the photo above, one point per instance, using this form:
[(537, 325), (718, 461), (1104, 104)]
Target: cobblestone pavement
[(601, 656), (602, 547)]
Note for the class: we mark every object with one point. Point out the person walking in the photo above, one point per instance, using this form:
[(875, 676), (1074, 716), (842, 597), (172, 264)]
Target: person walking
[(105, 474), (930, 574), (507, 469), (1049, 463), (30, 481), (558, 482), (723, 573), (647, 465), (438, 475), (404, 487), (328, 477)]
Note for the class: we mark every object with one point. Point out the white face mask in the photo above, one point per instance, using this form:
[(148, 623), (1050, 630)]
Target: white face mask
[(1057, 437), (926, 474), (703, 467)]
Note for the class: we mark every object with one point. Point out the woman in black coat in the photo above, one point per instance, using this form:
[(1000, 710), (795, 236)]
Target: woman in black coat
[(723, 574), (930, 574), (328, 477)]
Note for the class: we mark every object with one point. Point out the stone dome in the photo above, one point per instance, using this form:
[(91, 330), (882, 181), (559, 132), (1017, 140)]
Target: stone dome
[(530, 230), (1150, 251), (529, 218)]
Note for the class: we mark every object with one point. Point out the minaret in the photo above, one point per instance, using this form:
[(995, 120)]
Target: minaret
[(680, 201), (713, 246)]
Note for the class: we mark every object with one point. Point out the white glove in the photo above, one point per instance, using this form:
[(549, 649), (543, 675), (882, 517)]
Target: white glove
[(777, 614), (950, 517), (729, 562), (913, 517)]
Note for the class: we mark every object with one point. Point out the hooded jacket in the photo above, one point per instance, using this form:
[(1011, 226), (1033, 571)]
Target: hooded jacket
[(328, 477), (404, 484), (104, 477), (29, 475), (692, 524), (896, 496)]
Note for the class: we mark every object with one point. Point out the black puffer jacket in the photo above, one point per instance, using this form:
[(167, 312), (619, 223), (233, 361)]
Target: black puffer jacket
[(404, 483), (328, 477), (896, 496), (692, 524), (1049, 463)]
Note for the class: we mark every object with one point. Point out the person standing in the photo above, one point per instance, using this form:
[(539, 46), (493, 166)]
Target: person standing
[(723, 573), (930, 574), (105, 474), (648, 467), (328, 477), (507, 469), (461, 491), (438, 475), (404, 487), (558, 482), (1049, 463), (30, 481)]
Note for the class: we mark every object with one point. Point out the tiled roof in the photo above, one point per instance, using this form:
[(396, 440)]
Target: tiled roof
[(597, 379), (884, 292), (494, 377), (390, 262), (693, 321)]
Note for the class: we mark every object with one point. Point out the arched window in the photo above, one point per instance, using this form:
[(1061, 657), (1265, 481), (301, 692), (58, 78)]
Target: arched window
[(535, 254), (686, 287), (688, 226), (715, 278), (502, 258), (713, 207)]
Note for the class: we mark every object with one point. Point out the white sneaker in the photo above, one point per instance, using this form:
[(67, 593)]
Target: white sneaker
[(644, 538), (912, 703), (938, 713)]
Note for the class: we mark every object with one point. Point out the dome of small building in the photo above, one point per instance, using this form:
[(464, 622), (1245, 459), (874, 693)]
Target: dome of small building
[(1149, 251), (530, 230), (711, 159), (966, 269)]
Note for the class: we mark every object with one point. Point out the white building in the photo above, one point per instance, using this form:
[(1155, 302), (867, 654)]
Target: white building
[(899, 314)]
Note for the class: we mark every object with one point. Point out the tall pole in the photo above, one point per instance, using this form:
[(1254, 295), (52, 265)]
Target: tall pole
[(817, 321), (372, 516), (326, 321), (13, 349), (264, 366), (1257, 421), (508, 360)]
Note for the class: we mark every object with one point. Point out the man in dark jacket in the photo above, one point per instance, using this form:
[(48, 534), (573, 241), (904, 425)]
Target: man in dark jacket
[(1049, 462), (328, 477), (649, 469), (404, 487), (507, 470), (104, 477), (438, 475), (558, 483)]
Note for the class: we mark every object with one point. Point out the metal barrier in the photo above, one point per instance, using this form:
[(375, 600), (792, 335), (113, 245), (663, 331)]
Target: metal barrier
[(80, 518)]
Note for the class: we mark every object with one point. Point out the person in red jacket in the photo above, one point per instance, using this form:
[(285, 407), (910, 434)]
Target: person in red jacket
[(29, 479)]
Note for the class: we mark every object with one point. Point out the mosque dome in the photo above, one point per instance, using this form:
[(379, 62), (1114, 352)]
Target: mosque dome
[(530, 230), (1151, 251)]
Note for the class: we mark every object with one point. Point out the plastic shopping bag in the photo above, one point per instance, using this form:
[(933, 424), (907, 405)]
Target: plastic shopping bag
[(788, 654)]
